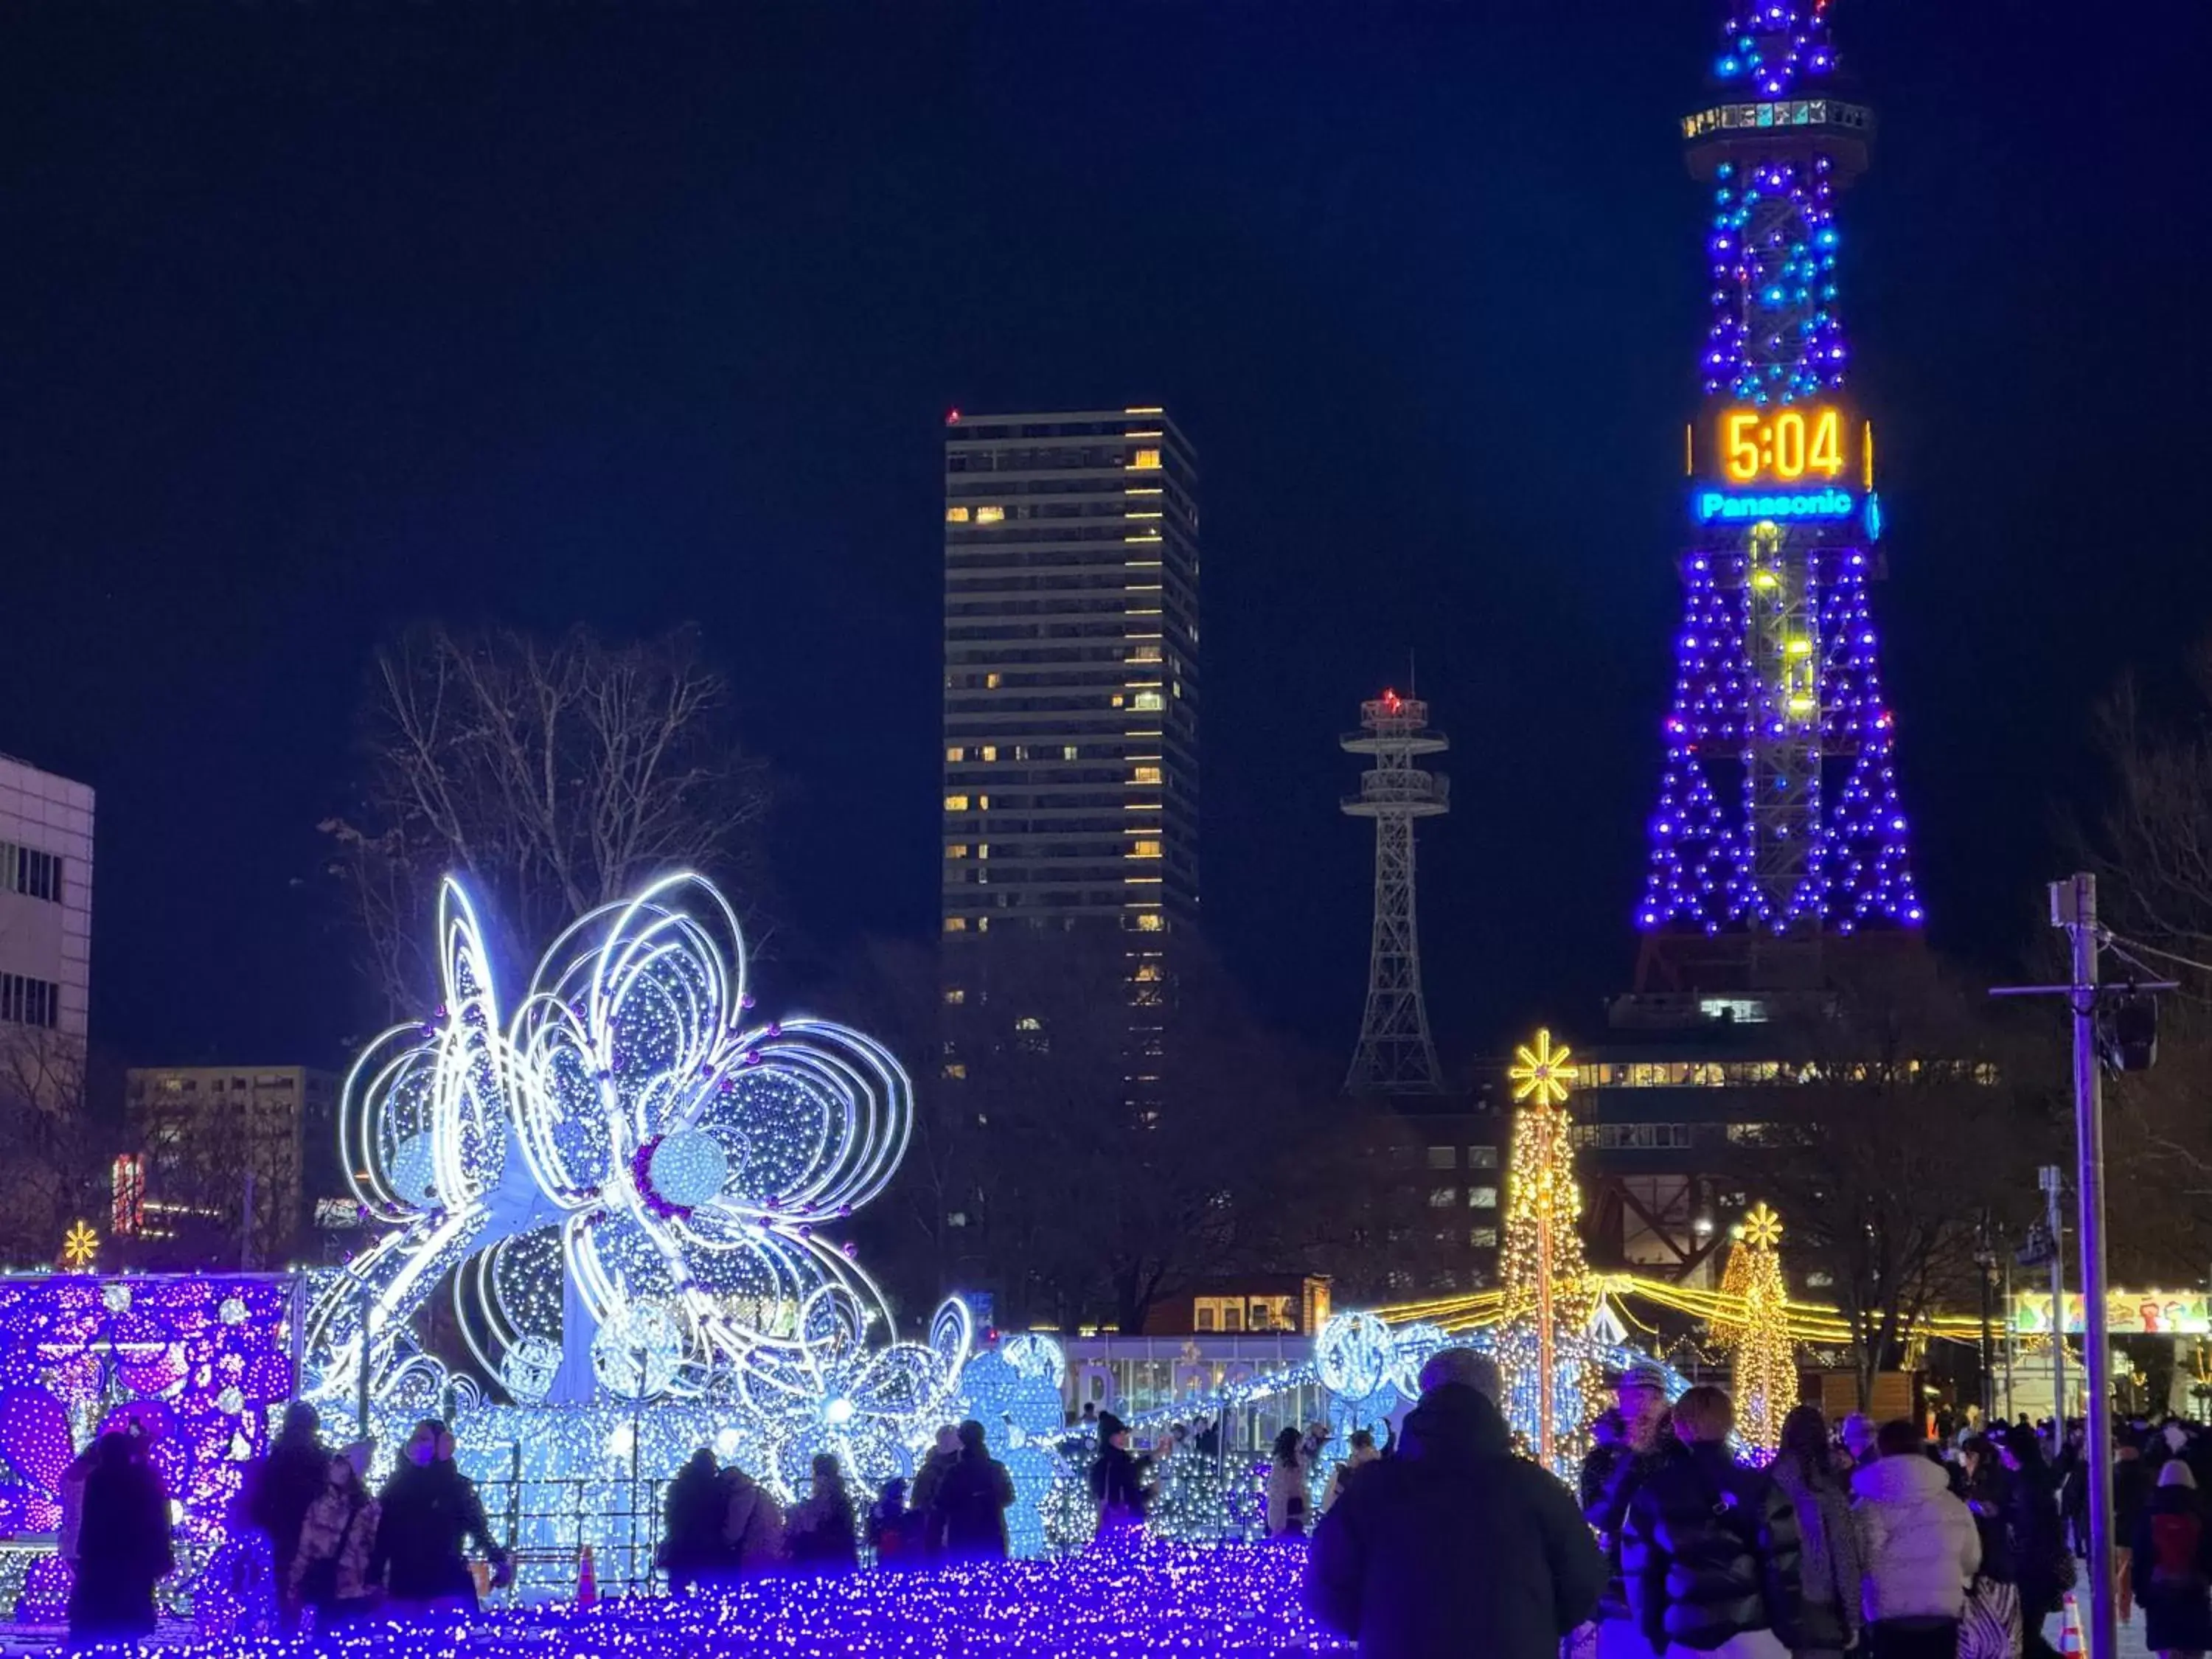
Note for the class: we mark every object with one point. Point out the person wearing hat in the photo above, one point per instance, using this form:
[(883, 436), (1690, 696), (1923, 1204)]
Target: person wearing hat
[(429, 1510), (1612, 1474), (1115, 1484), (1455, 1546)]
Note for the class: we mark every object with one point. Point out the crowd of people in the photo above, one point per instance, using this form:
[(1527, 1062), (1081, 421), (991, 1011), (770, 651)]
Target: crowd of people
[(1866, 1541)]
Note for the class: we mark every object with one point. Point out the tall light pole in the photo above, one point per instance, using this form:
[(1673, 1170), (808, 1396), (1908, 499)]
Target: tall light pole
[(2073, 907)]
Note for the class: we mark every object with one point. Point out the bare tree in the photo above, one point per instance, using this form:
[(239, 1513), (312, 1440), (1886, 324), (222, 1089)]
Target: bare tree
[(2151, 847), (555, 775), (1913, 1118), (53, 1164)]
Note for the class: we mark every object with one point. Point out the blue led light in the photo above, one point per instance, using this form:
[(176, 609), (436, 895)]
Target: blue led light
[(1709, 506)]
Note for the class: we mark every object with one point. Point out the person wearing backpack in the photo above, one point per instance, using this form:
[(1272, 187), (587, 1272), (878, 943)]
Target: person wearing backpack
[(1710, 1550), (2173, 1546)]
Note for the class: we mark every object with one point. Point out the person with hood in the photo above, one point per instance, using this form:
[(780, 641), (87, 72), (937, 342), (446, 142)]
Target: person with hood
[(944, 1453), (1709, 1553), (1858, 1435), (894, 1530), (2131, 1490), (429, 1511), (278, 1489), (2042, 1567), (1362, 1454), (2171, 1547), (1287, 1487), (691, 1529), (1612, 1474), (1117, 1485), (752, 1527), (122, 1546), (1828, 1572), (330, 1570), (821, 1535), (1919, 1546), (972, 1501), (1455, 1546)]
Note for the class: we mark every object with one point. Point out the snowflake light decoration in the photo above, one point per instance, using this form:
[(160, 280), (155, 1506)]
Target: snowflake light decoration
[(80, 1244), (622, 1184)]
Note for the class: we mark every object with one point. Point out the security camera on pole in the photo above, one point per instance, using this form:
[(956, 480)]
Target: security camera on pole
[(2117, 1024)]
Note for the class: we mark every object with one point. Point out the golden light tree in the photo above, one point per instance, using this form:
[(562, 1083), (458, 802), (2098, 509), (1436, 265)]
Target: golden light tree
[(1758, 1329), (1549, 1293)]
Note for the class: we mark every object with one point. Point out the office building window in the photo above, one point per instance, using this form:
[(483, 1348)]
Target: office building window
[(1482, 1198), (956, 924), (1443, 1158), (1443, 1198), (27, 1001), (1148, 701), (1149, 921), (957, 849), (1145, 849), (955, 995), (1482, 1238), (1146, 460), (956, 515), (955, 803), (1482, 1157), (955, 752), (1145, 774), (990, 514), (26, 871)]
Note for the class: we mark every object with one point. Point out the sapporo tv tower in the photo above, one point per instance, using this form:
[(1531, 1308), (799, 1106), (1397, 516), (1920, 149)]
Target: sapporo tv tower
[(1778, 824)]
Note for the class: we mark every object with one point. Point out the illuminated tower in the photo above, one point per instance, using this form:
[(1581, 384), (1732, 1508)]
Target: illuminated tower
[(1778, 816), (1395, 1055)]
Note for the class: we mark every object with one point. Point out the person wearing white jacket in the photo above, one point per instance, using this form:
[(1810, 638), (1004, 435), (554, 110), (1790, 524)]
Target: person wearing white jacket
[(1917, 1546)]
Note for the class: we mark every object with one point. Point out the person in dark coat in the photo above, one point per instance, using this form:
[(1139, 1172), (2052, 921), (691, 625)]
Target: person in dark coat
[(1455, 1546), (2131, 1492), (1612, 1474), (2173, 1550), (1117, 1485), (428, 1510), (691, 1531), (1710, 1550), (122, 1546), (2042, 1566), (972, 1501), (895, 1532), (279, 1488), (820, 1535)]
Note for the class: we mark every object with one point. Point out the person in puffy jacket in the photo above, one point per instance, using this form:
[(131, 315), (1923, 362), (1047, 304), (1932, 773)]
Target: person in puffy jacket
[(1709, 1553), (2173, 1549), (1635, 1446), (1919, 1547), (1456, 1547)]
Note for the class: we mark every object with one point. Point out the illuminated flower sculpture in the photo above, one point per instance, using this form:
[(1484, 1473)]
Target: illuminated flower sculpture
[(621, 1183)]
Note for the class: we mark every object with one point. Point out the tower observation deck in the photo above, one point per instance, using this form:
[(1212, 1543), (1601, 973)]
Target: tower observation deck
[(1396, 1055), (1779, 822)]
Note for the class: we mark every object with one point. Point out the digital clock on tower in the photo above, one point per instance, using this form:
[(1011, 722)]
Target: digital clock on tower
[(1786, 444)]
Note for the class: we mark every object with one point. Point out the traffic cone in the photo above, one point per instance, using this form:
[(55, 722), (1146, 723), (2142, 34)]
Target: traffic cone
[(2069, 1626), (588, 1581)]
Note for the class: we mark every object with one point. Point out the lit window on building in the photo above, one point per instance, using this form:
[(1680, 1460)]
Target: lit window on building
[(1482, 1157), (955, 803), (1482, 1198), (1145, 849), (1149, 921), (991, 682), (1146, 460), (1482, 1238), (1148, 703), (956, 1070), (956, 924), (957, 849), (955, 752), (1443, 1198), (957, 1218), (1144, 653), (955, 995), (990, 514), (989, 752), (956, 515), (1145, 774), (1067, 751), (1443, 1158)]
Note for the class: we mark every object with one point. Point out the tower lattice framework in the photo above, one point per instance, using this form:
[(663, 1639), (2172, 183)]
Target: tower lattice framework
[(1778, 814), (1396, 1055)]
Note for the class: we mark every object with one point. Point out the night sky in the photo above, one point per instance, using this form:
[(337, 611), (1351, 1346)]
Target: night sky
[(317, 318)]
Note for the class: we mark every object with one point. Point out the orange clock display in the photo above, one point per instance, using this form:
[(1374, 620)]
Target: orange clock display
[(1783, 445)]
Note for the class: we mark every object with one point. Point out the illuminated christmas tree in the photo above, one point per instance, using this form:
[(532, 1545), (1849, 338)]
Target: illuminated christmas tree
[(1758, 1328), (1551, 1378)]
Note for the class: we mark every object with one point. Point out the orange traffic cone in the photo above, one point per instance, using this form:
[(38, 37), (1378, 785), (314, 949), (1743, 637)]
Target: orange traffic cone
[(588, 1581), (2069, 1626)]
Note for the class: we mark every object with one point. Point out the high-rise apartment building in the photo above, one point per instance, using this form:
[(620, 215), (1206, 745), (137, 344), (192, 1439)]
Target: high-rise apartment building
[(212, 1139), (45, 907), (1071, 675)]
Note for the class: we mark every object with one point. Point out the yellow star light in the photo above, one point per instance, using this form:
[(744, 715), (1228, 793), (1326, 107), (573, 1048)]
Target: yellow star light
[(1542, 1074), (79, 1245), (1762, 1228)]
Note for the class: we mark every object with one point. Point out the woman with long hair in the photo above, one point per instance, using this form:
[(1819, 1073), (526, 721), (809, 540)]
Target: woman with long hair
[(1828, 1562), (1287, 1487)]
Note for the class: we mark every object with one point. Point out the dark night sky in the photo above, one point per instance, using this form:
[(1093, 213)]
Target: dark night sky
[(316, 317)]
